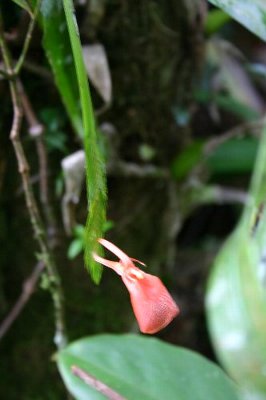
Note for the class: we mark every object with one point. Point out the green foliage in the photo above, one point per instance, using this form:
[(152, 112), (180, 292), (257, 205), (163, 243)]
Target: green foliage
[(233, 156), (216, 19), (75, 248), (78, 244), (54, 122), (229, 103), (140, 367), (236, 300), (251, 14), (95, 173), (185, 161), (58, 50), (143, 368)]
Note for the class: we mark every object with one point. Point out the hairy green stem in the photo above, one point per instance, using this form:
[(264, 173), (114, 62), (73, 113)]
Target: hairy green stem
[(95, 169)]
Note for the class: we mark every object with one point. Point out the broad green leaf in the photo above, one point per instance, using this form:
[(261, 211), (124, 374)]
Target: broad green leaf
[(236, 297), (95, 172), (233, 156), (57, 46), (250, 13), (143, 368)]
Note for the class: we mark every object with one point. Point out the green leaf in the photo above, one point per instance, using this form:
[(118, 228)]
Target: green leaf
[(79, 231), (228, 103), (57, 46), (56, 141), (236, 299), (108, 225), (216, 19), (143, 368), (185, 161), (233, 156), (75, 248), (95, 171), (234, 106), (251, 14)]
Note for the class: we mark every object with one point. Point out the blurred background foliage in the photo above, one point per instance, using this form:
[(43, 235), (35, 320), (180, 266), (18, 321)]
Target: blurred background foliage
[(179, 95)]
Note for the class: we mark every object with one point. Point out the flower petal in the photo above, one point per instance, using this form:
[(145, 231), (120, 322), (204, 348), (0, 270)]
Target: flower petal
[(152, 304), (116, 266)]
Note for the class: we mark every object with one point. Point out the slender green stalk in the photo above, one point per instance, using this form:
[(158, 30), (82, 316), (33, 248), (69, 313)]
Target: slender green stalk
[(95, 173)]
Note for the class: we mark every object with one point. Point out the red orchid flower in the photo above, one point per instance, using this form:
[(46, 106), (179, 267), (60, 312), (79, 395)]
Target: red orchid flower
[(152, 304)]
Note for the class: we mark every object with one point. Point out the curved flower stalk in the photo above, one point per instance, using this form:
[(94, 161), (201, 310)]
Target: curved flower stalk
[(152, 304)]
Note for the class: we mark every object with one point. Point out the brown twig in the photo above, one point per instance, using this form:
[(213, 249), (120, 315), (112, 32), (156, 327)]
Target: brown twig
[(54, 283), (37, 131), (250, 128), (27, 290), (197, 194), (38, 70), (35, 127), (34, 179), (130, 169), (96, 384), (74, 173), (225, 195)]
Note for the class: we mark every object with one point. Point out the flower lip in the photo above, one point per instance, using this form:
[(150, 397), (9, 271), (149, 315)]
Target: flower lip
[(126, 264), (126, 261), (134, 274)]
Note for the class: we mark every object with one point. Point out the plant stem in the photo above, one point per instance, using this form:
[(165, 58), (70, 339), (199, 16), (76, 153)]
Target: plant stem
[(37, 130), (54, 283), (27, 40), (251, 128), (27, 290), (95, 172)]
